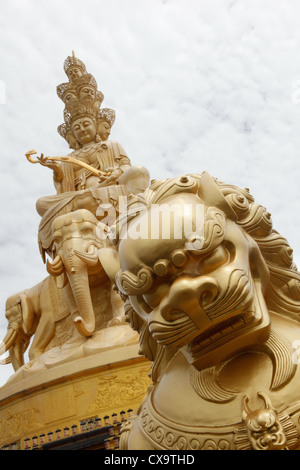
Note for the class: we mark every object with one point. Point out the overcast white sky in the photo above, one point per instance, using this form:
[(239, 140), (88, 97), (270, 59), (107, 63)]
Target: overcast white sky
[(196, 85)]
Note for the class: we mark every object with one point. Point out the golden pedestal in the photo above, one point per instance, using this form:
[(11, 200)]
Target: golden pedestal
[(97, 391)]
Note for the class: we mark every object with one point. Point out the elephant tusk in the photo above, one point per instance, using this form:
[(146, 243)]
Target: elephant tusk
[(92, 250), (17, 354), (4, 362), (110, 261), (56, 268), (8, 341)]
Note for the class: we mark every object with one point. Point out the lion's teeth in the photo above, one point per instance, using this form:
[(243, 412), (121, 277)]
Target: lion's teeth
[(216, 336), (248, 317), (238, 323)]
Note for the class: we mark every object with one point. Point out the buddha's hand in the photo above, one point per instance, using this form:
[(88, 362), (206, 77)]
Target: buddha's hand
[(55, 166), (113, 175)]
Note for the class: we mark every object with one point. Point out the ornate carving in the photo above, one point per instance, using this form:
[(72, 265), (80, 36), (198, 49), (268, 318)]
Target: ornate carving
[(120, 389), (222, 302), (167, 435), (130, 284), (14, 425), (207, 384), (265, 429)]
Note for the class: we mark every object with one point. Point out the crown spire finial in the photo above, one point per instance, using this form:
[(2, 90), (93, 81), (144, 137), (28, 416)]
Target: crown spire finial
[(74, 57), (81, 97)]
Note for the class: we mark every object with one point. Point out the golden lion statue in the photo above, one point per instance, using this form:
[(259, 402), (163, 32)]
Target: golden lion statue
[(213, 292)]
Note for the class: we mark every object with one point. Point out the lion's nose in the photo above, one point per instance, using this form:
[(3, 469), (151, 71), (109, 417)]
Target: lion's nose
[(189, 296)]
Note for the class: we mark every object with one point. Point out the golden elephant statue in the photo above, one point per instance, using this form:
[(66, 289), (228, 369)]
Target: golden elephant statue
[(77, 297), (33, 313), (77, 269), (213, 292)]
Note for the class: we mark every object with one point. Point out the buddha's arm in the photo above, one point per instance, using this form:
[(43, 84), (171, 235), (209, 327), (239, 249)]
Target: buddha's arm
[(58, 174), (57, 180), (124, 163)]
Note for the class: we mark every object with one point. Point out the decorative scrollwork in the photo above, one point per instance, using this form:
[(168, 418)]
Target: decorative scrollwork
[(131, 284)]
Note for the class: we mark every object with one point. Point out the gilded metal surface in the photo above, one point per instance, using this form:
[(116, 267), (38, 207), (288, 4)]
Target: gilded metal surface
[(216, 304), (190, 268)]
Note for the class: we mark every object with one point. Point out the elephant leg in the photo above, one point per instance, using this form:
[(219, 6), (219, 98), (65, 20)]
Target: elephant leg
[(44, 334)]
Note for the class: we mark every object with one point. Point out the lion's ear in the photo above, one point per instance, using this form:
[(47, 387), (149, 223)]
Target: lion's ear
[(212, 196), (110, 260)]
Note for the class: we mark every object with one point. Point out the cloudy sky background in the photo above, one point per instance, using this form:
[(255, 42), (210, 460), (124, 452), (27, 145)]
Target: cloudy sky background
[(196, 84)]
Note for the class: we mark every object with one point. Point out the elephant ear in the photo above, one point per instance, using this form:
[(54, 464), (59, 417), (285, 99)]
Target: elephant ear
[(110, 260)]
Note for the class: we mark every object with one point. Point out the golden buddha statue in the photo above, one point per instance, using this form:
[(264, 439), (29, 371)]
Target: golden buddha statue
[(98, 170)]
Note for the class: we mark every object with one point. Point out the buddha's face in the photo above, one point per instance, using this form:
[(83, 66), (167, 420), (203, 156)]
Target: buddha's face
[(68, 96), (104, 130), (74, 73), (87, 92), (84, 130)]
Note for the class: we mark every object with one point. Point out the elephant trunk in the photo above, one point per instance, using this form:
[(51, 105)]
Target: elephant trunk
[(75, 266), (77, 271), (85, 321)]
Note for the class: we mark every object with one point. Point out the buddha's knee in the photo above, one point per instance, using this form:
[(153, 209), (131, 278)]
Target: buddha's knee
[(136, 179), (141, 172), (85, 201)]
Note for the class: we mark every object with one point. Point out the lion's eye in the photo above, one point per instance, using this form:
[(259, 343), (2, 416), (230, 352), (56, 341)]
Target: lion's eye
[(214, 260), (154, 298)]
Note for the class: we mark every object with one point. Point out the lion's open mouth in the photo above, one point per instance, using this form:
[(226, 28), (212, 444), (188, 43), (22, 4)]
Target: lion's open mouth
[(178, 335), (223, 333), (185, 332), (231, 311)]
